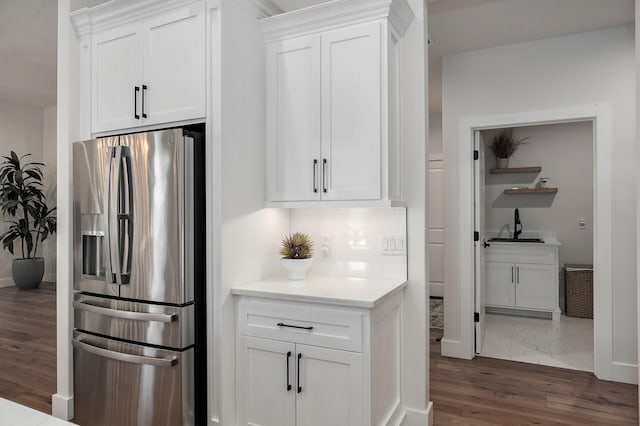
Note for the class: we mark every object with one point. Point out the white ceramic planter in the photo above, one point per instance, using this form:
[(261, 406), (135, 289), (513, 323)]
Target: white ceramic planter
[(296, 268)]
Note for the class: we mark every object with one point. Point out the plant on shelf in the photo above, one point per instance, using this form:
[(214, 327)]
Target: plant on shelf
[(504, 145), (296, 250), (22, 199)]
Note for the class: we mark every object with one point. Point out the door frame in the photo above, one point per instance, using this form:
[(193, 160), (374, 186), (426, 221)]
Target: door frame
[(601, 117)]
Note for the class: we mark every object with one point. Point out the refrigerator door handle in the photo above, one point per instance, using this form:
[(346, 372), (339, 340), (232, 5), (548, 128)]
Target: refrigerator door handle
[(118, 200), (119, 356), (128, 315)]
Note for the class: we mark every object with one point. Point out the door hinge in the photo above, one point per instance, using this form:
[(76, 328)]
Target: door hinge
[(476, 236), (476, 317), (476, 154)]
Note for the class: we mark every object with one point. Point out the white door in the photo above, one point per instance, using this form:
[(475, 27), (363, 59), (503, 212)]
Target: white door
[(331, 388), (535, 286), (293, 119), (351, 113), (480, 275), (266, 383), (116, 72), (174, 66)]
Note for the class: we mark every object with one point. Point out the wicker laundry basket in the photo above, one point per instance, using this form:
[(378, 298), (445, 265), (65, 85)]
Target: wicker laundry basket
[(579, 290)]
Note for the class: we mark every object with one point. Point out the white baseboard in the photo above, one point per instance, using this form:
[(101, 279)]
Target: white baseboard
[(62, 406), (418, 417), (49, 277), (625, 373), (436, 289), (6, 282)]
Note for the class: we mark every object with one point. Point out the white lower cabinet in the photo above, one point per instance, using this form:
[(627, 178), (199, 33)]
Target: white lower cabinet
[(289, 384), (309, 364), (522, 276)]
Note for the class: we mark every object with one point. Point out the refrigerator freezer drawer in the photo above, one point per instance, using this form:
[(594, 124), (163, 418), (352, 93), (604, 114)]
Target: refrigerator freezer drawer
[(124, 384), (168, 326)]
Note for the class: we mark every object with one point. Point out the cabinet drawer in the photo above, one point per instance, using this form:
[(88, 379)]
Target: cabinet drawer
[(301, 323), (542, 255)]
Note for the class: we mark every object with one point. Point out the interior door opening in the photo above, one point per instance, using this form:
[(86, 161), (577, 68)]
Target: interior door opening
[(521, 311)]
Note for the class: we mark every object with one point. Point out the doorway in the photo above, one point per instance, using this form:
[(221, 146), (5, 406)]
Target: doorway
[(548, 183), (600, 116)]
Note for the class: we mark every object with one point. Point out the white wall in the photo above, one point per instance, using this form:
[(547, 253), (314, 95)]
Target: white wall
[(549, 74), (565, 153), (49, 157), (25, 129)]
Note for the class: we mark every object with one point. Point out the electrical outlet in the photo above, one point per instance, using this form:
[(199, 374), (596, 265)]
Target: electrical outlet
[(325, 243)]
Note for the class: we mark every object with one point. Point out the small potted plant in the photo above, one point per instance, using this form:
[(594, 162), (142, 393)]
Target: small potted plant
[(32, 221), (296, 250), (503, 145)]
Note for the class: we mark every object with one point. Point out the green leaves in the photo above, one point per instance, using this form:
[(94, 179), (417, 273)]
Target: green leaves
[(296, 246), (21, 196)]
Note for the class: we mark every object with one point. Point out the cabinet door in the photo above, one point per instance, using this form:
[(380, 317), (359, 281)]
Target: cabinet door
[(500, 286), (174, 65), (264, 396), (331, 387), (352, 87), (293, 119), (116, 69), (536, 286)]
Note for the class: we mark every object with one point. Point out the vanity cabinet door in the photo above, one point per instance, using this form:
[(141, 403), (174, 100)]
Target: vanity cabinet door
[(331, 388), (500, 286), (266, 390), (536, 286)]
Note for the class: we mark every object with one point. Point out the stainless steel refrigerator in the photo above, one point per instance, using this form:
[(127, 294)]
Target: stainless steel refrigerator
[(139, 336)]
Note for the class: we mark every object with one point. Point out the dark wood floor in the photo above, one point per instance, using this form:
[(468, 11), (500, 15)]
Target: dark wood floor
[(483, 391), (28, 345), (486, 391)]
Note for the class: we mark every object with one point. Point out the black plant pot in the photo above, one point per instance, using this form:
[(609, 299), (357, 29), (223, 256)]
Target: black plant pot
[(28, 273)]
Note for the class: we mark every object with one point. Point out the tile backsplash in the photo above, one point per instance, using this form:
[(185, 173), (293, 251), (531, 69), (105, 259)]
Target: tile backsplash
[(362, 242)]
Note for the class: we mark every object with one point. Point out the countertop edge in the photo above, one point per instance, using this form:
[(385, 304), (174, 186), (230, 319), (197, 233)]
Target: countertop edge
[(281, 295)]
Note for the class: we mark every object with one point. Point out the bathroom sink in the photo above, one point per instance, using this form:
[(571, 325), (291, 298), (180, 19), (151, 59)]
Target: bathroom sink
[(516, 240)]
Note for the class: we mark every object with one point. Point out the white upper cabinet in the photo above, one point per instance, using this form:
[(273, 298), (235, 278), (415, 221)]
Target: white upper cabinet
[(332, 104), (143, 68)]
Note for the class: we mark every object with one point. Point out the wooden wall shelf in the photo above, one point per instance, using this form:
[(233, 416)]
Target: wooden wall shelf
[(534, 169), (531, 191)]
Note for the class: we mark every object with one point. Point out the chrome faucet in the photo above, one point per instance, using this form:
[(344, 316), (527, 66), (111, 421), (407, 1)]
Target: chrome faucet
[(516, 220)]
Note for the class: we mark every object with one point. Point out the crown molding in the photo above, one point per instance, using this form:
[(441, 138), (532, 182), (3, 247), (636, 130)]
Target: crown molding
[(337, 13), (118, 12), (263, 8)]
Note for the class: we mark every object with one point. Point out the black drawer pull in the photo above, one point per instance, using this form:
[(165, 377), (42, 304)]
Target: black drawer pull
[(281, 324)]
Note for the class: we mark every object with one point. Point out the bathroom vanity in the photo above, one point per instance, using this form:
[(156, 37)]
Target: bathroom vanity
[(522, 276)]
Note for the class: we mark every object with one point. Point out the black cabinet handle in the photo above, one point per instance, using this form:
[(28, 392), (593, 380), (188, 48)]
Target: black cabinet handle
[(315, 175), (512, 280), (288, 381), (144, 90), (136, 89), (299, 387), (281, 324), (486, 244), (324, 175)]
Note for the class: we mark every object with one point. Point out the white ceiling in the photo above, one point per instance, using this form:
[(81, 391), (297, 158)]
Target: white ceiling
[(28, 50), (28, 34)]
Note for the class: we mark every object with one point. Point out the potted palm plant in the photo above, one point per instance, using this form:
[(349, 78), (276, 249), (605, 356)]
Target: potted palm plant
[(31, 221), (296, 251), (503, 145)]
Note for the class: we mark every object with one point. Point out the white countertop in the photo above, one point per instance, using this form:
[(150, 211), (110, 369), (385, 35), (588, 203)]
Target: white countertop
[(328, 289), (12, 414)]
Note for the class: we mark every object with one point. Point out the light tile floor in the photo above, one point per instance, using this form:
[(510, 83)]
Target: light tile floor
[(567, 343)]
